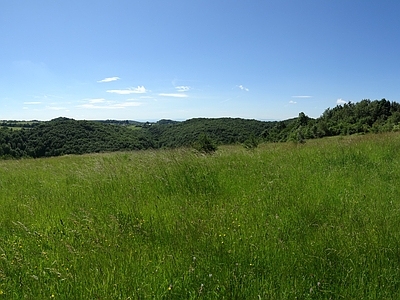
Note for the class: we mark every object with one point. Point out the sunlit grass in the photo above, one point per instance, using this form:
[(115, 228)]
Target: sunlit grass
[(314, 221)]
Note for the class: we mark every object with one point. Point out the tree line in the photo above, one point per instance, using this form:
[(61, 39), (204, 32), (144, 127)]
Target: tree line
[(362, 117), (63, 136)]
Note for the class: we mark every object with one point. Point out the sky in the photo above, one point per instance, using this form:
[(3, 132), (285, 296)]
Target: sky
[(158, 59)]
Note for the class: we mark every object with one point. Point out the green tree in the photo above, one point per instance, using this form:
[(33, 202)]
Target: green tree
[(251, 143), (205, 144)]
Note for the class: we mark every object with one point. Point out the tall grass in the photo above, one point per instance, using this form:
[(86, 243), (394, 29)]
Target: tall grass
[(284, 221)]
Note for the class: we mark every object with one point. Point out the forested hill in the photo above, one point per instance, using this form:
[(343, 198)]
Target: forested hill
[(220, 130), (350, 118), (67, 136)]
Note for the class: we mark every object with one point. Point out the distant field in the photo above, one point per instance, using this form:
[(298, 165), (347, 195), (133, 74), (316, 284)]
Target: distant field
[(319, 220), (17, 125), (134, 127), (14, 128)]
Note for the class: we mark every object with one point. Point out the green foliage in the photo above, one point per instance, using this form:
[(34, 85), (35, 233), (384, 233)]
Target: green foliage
[(66, 136), (251, 143), (223, 131), (205, 144), (362, 117), (350, 118)]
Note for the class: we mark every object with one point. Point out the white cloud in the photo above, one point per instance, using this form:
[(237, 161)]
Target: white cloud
[(173, 95), (47, 96), (109, 105), (340, 101), (89, 105), (97, 100), (32, 103), (109, 79), (243, 88), (301, 96), (182, 88), (127, 104), (292, 102), (138, 90), (55, 108)]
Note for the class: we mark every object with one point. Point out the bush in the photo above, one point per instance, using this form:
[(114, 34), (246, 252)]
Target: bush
[(251, 143), (205, 144)]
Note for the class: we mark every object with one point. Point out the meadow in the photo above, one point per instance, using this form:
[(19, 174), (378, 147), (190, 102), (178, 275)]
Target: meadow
[(319, 220)]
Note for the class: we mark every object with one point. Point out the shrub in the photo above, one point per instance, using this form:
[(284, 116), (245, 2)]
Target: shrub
[(205, 144), (251, 143)]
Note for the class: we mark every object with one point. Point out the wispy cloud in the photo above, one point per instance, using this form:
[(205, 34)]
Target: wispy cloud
[(340, 101), (301, 96), (173, 95), (32, 103), (109, 79), (127, 104), (90, 106), (97, 100), (47, 97), (55, 108), (292, 102), (182, 88), (109, 105), (138, 90), (243, 88)]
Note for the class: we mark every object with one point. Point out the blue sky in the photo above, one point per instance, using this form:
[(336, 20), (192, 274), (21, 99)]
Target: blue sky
[(181, 59)]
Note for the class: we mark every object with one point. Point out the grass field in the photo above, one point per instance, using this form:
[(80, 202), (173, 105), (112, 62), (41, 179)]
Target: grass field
[(319, 220)]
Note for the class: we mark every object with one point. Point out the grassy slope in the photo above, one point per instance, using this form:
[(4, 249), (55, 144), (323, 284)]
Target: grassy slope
[(313, 221)]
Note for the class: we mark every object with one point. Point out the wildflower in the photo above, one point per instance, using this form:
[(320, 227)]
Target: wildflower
[(170, 287)]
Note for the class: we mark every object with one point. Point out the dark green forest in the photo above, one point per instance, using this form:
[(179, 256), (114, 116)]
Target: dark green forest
[(63, 136)]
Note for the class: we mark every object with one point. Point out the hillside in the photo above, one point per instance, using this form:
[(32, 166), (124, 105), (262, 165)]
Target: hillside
[(316, 221), (220, 130), (362, 117), (67, 136)]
